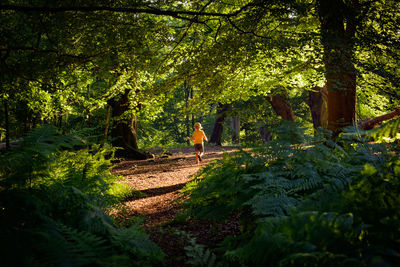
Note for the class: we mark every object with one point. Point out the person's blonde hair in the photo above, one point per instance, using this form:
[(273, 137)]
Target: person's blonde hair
[(197, 125)]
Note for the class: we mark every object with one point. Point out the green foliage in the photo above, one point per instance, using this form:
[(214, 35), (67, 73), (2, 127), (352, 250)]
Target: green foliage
[(306, 238), (276, 176), (311, 203), (387, 132), (53, 207), (199, 255)]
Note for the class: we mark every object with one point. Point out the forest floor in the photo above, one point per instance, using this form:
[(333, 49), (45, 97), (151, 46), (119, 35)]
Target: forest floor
[(160, 180)]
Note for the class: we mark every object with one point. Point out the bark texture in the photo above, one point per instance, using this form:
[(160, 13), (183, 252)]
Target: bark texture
[(222, 110), (338, 29), (235, 124), (317, 101), (124, 131), (281, 106), (108, 115)]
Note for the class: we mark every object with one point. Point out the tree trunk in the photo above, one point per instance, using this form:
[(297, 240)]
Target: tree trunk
[(317, 101), (124, 131), (60, 121), (338, 33), (191, 96), (88, 111), (26, 120), (7, 123), (107, 123), (216, 135), (187, 97), (265, 134), (235, 124), (281, 106)]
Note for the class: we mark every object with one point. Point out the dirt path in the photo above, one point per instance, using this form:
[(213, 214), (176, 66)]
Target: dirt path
[(161, 180)]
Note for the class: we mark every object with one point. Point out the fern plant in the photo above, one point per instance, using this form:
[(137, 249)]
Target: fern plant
[(387, 132), (298, 203), (53, 203), (198, 255), (275, 178)]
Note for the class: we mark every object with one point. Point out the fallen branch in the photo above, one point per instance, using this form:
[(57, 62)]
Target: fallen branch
[(369, 123)]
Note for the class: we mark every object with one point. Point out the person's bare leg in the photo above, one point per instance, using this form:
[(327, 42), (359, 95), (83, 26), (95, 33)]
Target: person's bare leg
[(197, 157)]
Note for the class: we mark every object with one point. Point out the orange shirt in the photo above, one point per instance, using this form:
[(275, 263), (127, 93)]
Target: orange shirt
[(198, 137)]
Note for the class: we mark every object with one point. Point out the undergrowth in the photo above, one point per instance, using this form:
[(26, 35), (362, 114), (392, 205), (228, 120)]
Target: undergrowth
[(304, 202), (55, 193)]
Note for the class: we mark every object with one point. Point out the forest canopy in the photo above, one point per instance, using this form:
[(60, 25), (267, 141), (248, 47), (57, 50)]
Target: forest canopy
[(73, 59)]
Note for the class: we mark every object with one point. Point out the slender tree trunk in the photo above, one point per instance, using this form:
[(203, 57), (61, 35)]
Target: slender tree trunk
[(235, 124), (281, 106), (89, 112), (216, 135), (107, 123), (26, 120), (265, 134), (191, 96), (7, 123), (317, 101), (34, 122), (124, 131), (187, 96), (338, 32)]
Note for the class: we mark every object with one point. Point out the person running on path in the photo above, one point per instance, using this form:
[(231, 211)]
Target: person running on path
[(198, 136)]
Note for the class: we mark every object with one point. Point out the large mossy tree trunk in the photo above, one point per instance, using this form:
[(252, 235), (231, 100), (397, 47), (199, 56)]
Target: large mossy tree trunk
[(338, 29), (222, 111), (124, 130), (281, 106)]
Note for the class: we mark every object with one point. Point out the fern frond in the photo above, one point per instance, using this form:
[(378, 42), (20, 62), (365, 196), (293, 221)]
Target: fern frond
[(64, 245), (135, 241), (199, 255), (27, 162), (389, 131), (267, 205)]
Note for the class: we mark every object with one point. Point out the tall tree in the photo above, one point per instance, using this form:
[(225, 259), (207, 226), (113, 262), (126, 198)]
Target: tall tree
[(124, 131), (338, 28)]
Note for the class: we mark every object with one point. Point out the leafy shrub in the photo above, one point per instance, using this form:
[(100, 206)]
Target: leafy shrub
[(53, 202)]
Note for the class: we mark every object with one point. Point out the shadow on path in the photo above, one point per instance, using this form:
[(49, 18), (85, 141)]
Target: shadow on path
[(158, 191)]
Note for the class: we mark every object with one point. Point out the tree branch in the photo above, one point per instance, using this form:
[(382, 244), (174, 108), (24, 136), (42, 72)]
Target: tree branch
[(369, 124), (49, 51), (154, 11)]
